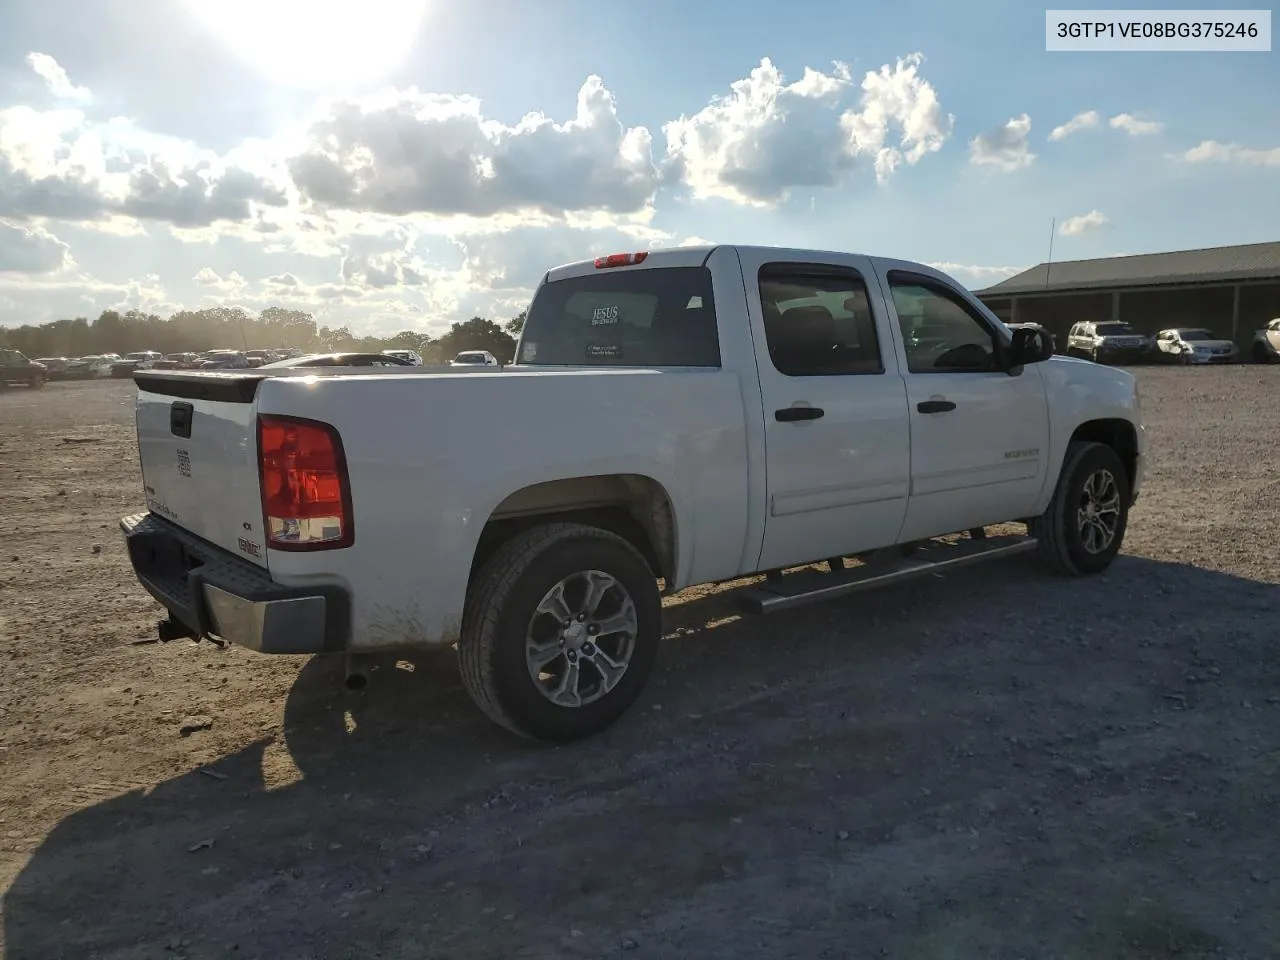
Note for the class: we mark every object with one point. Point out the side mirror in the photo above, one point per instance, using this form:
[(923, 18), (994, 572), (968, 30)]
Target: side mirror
[(1030, 345)]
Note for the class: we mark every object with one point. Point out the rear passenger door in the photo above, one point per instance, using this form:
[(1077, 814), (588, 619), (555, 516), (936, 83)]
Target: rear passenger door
[(837, 445)]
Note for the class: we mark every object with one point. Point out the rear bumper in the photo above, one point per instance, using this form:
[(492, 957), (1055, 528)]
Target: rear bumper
[(217, 594)]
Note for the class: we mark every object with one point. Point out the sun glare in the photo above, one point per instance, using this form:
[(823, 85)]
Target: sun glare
[(315, 44)]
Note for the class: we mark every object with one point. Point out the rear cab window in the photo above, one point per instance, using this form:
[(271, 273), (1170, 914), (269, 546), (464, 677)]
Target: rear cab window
[(655, 317)]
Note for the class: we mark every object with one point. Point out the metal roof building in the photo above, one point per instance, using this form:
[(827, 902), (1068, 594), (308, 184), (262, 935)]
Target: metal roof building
[(1232, 291)]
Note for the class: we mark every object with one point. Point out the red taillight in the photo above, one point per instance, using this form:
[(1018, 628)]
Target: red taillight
[(306, 503), (620, 260)]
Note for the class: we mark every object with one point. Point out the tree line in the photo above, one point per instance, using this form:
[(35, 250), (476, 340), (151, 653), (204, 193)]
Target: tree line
[(233, 328)]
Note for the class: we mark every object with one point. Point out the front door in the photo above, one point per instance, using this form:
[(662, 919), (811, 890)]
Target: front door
[(979, 433), (836, 431)]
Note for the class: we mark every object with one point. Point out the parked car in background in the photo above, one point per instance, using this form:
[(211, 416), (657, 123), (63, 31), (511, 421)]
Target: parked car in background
[(56, 366), (412, 356), (1109, 342), (259, 357), (88, 368), (141, 360), (176, 361), (339, 360), (475, 358), (225, 360), (1195, 345), (16, 368), (1266, 343)]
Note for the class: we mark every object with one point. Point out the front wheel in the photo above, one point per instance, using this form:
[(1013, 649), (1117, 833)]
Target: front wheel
[(36, 382), (560, 632), (1083, 529)]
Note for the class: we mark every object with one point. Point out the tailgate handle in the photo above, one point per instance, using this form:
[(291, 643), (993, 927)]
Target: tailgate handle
[(180, 415)]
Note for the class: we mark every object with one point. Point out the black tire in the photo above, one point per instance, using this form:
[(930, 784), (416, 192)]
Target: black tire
[(1093, 355), (500, 609), (36, 382), (1060, 540), (1260, 354)]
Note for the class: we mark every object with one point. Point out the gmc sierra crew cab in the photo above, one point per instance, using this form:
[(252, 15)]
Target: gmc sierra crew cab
[(671, 418)]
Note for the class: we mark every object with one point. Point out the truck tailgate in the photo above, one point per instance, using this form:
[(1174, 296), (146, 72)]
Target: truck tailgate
[(199, 451)]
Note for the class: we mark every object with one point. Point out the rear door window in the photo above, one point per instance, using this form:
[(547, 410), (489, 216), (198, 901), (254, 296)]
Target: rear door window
[(659, 317)]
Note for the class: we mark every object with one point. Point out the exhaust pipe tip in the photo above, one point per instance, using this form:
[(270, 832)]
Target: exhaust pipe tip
[(357, 674)]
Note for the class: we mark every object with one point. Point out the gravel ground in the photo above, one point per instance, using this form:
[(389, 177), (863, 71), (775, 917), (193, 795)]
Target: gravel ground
[(993, 764)]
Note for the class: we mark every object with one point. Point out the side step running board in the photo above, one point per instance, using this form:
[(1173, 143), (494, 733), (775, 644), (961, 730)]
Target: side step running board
[(810, 586)]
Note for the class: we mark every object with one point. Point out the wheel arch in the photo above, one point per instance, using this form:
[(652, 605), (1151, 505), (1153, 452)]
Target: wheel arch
[(1118, 434), (633, 506)]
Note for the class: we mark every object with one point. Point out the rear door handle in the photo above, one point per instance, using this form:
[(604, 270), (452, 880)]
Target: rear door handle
[(935, 406), (792, 414)]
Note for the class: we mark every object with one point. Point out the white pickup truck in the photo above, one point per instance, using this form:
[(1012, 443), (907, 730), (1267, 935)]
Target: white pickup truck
[(672, 418)]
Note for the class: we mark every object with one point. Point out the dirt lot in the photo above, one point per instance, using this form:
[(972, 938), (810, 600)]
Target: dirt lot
[(995, 764)]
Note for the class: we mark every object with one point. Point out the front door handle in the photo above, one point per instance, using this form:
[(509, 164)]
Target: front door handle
[(935, 406), (792, 414)]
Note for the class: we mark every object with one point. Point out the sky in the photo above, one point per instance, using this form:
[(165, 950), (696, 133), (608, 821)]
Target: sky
[(404, 164)]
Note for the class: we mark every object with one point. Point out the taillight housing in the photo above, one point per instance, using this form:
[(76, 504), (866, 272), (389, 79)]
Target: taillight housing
[(620, 260), (306, 495)]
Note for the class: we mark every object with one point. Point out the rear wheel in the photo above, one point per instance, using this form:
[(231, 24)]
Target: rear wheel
[(1083, 529), (560, 631)]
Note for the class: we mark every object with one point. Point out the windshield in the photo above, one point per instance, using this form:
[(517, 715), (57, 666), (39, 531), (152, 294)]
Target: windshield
[(469, 358), (1197, 335), (617, 318), (1115, 330)]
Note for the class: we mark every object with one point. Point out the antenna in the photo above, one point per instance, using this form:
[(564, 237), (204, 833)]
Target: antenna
[(1049, 263)]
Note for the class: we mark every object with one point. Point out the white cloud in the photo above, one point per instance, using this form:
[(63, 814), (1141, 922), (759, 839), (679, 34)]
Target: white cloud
[(31, 249), (1081, 121), (975, 277), (223, 286), (1005, 147), (1212, 151), (1074, 226), (768, 137), (41, 299), (413, 152), (57, 163), (1133, 126), (56, 79)]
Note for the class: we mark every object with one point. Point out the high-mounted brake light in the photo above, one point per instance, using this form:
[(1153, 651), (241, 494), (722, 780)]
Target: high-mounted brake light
[(620, 260), (306, 500)]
